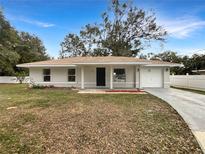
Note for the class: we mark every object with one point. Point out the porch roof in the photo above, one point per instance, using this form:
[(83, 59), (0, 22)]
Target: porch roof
[(108, 60)]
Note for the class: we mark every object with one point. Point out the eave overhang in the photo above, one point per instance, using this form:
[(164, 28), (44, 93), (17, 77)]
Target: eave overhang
[(108, 63), (31, 66)]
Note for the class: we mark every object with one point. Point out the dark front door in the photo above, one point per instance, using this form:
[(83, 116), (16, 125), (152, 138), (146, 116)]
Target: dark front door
[(100, 76)]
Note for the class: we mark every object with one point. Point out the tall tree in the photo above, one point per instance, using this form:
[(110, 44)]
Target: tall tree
[(195, 62), (169, 56), (198, 61), (17, 47), (122, 32), (8, 41), (72, 45), (30, 48)]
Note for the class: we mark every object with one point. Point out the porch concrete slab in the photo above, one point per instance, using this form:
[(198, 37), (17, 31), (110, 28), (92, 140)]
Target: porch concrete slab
[(191, 106), (91, 91), (105, 91)]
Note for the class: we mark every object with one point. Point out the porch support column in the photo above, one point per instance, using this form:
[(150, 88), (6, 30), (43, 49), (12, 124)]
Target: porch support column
[(111, 77), (137, 77), (82, 78), (140, 77)]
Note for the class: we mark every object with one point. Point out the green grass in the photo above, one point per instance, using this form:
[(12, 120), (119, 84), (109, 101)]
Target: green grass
[(191, 90), (59, 120)]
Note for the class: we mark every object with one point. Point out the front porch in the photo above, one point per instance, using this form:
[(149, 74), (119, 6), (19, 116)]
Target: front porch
[(109, 77)]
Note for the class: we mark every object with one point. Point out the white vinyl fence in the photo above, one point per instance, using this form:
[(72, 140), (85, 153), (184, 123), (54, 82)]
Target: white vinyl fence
[(12, 79), (188, 81)]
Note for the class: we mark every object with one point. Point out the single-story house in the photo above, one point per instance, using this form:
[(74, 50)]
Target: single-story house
[(101, 72)]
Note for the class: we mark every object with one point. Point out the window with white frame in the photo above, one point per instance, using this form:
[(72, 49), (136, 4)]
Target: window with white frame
[(71, 75), (46, 75), (119, 75)]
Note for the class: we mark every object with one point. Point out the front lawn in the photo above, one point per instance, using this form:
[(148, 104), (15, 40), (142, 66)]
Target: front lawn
[(63, 121)]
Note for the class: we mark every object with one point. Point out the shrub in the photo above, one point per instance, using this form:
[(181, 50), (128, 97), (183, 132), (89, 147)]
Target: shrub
[(20, 76), (37, 86)]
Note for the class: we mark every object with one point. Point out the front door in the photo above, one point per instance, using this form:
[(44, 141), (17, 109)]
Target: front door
[(100, 76)]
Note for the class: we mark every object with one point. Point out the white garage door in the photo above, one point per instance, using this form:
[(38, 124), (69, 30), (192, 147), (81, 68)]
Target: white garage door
[(151, 77)]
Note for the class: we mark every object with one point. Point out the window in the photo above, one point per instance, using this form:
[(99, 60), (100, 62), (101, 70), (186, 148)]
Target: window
[(46, 75), (119, 75), (71, 75)]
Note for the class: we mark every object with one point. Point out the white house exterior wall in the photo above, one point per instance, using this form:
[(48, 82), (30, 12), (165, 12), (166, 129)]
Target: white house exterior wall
[(166, 79), (36, 75), (59, 76)]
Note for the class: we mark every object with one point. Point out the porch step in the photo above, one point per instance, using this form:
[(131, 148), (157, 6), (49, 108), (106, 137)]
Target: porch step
[(125, 90)]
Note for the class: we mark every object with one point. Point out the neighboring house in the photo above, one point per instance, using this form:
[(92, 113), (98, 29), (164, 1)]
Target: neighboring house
[(101, 72), (200, 72)]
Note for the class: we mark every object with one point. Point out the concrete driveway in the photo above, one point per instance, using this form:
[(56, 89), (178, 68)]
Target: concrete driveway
[(190, 106)]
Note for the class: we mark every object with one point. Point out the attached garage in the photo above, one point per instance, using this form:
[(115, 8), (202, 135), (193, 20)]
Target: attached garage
[(152, 77)]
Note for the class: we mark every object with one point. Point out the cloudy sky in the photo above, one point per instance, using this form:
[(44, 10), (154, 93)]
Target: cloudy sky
[(51, 20)]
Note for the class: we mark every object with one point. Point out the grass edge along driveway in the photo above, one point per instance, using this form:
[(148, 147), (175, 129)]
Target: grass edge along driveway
[(190, 90)]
